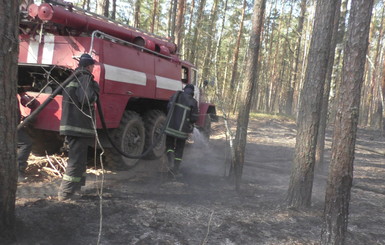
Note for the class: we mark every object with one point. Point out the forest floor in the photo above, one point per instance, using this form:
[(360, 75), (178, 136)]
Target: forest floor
[(144, 206)]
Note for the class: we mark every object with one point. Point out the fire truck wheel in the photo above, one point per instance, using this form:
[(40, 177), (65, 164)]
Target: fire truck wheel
[(130, 137), (154, 121)]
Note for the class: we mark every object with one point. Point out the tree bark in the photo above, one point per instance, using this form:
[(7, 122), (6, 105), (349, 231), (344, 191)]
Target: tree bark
[(338, 59), (209, 48), (179, 24), (172, 21), (193, 56), (249, 89), (137, 14), (383, 96), (103, 7), (234, 70), (8, 117), (302, 175), (113, 13), (293, 93), (319, 156), (219, 73), (345, 129), (154, 15), (376, 101)]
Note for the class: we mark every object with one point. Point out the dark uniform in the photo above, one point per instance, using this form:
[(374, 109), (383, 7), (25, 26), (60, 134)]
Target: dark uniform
[(24, 141), (77, 124), (181, 124)]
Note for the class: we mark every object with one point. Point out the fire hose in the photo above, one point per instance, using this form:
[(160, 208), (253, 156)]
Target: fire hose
[(101, 116)]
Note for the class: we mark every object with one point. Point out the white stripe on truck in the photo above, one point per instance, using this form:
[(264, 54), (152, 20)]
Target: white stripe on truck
[(123, 75), (167, 83)]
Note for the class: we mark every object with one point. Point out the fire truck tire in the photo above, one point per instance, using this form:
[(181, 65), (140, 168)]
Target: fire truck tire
[(154, 121), (130, 137)]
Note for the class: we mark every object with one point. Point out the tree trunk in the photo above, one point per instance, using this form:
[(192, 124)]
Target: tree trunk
[(193, 56), (172, 22), (8, 80), (319, 156), (338, 59), (285, 83), (249, 89), (341, 167), (302, 175), (208, 56), (137, 14), (234, 70), (293, 93), (187, 43), (376, 101), (383, 96), (179, 24), (113, 13), (154, 15), (103, 7), (219, 73)]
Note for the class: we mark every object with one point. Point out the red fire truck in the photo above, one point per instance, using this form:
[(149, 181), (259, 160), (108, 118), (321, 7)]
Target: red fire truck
[(137, 73)]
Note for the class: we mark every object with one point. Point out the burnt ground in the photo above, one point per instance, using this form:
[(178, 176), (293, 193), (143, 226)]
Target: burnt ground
[(144, 206)]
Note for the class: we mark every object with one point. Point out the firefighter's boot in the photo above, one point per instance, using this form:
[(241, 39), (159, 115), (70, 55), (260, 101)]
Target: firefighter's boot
[(170, 158), (175, 169)]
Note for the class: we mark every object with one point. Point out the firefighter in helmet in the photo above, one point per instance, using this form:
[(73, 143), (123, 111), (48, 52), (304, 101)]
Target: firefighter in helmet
[(77, 125), (184, 113)]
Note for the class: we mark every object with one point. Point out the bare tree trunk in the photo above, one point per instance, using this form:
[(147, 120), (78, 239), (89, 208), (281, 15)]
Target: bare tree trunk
[(8, 80), (338, 59), (103, 7), (208, 56), (302, 175), (180, 24), (172, 22), (192, 56), (345, 129), (293, 93), (154, 15), (319, 155), (376, 101), (234, 70), (274, 65), (249, 89), (383, 96), (138, 3), (219, 76), (285, 90), (113, 13), (188, 43)]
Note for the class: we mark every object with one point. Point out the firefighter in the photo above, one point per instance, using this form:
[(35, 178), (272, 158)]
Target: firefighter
[(184, 114), (77, 125), (24, 140)]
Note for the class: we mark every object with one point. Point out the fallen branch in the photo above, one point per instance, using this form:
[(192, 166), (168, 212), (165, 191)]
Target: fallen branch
[(208, 229), (60, 164), (53, 166), (55, 172)]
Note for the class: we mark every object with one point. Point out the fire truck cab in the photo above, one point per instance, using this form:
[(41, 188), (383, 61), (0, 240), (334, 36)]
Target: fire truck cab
[(137, 73)]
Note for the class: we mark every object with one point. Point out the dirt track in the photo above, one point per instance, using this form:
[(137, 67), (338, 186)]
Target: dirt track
[(143, 206)]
